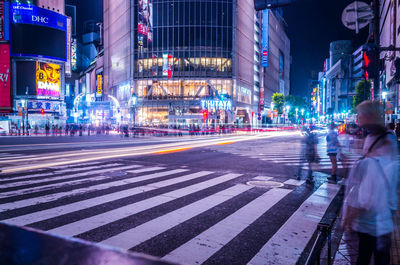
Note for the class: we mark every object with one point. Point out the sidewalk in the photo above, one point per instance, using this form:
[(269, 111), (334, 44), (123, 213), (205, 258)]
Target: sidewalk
[(348, 248)]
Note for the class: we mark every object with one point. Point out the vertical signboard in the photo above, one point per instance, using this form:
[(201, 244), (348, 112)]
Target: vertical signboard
[(145, 19), (165, 64), (2, 18), (74, 47), (5, 87), (99, 84), (265, 38), (69, 36)]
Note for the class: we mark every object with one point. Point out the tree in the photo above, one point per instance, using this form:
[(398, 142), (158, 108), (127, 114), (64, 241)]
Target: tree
[(295, 102), (279, 101), (363, 92)]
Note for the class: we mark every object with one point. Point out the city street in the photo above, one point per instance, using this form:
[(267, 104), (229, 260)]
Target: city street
[(231, 199)]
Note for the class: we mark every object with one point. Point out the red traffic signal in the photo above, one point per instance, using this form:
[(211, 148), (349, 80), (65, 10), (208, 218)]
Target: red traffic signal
[(42, 111), (205, 114), (369, 63)]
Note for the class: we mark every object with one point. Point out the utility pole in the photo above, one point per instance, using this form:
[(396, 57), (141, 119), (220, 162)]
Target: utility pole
[(376, 35)]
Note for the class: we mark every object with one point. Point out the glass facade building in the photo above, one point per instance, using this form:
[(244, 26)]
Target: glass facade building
[(174, 54)]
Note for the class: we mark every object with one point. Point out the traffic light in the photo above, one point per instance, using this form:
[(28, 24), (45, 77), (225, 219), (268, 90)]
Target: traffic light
[(42, 111), (264, 4), (370, 65), (205, 114), (259, 116)]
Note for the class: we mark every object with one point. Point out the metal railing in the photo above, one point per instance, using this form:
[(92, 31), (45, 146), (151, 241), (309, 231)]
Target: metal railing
[(325, 229)]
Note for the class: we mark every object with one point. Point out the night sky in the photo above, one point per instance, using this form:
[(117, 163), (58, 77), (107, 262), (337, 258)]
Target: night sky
[(312, 25)]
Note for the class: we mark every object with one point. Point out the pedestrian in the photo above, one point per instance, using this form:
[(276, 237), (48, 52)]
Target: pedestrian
[(332, 149), (371, 192), (390, 127), (398, 129), (310, 154)]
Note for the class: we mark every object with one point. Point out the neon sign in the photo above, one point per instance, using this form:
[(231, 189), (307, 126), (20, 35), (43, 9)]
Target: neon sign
[(216, 104)]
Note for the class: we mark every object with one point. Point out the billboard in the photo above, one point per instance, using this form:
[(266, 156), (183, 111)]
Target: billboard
[(5, 86), (48, 80), (38, 32), (265, 38), (145, 19)]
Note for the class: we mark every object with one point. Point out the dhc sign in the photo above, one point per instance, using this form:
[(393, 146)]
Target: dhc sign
[(44, 20), (29, 14)]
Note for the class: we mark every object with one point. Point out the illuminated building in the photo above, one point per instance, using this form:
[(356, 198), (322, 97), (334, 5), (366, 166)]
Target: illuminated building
[(39, 50), (174, 54)]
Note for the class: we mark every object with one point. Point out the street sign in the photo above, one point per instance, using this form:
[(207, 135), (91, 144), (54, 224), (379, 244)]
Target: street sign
[(357, 15)]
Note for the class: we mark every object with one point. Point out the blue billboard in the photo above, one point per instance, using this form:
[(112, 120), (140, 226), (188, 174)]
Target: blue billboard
[(265, 38), (29, 14), (38, 32)]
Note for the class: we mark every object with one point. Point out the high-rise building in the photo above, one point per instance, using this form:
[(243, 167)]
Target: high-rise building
[(181, 59)]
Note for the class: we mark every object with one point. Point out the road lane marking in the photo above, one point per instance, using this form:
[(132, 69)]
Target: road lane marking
[(148, 230), (93, 222), (130, 152), (84, 204), (203, 246), (294, 182), (66, 182), (59, 195), (286, 246)]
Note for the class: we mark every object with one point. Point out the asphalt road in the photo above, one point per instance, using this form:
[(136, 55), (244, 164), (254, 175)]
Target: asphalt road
[(213, 200)]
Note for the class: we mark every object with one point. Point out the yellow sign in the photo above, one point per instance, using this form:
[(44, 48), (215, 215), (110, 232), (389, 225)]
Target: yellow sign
[(48, 79), (99, 84)]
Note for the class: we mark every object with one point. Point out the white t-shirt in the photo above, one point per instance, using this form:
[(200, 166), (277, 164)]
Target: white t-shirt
[(372, 187)]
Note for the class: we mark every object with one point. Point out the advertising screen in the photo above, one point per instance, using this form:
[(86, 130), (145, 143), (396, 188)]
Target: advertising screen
[(38, 32), (48, 80), (5, 88), (145, 21)]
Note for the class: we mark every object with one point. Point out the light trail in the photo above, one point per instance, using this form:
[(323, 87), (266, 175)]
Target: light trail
[(131, 152)]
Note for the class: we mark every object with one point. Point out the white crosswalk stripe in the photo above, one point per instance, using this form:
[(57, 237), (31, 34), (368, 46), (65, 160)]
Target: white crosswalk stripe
[(294, 241), (200, 248), (207, 190)]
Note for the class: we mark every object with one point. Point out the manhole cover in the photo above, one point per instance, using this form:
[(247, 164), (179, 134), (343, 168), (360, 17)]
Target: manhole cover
[(265, 184)]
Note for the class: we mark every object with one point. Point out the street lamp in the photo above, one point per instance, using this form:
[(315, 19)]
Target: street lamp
[(384, 95), (287, 111)]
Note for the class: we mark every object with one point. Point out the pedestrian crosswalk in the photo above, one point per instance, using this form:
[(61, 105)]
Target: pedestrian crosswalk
[(291, 154), (180, 214)]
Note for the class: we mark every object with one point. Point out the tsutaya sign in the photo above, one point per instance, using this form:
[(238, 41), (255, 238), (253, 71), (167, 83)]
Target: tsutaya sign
[(216, 104)]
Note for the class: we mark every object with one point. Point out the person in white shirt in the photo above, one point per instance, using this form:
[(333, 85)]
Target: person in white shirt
[(371, 192)]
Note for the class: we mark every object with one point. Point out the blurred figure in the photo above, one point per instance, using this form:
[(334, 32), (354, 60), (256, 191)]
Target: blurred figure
[(310, 153), (371, 192), (390, 128), (332, 150)]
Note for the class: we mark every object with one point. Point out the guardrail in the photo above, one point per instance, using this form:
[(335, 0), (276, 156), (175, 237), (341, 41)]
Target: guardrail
[(323, 241), (21, 246)]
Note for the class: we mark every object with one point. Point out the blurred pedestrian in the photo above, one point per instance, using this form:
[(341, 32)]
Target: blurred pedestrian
[(310, 153), (332, 149), (371, 192), (390, 128)]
